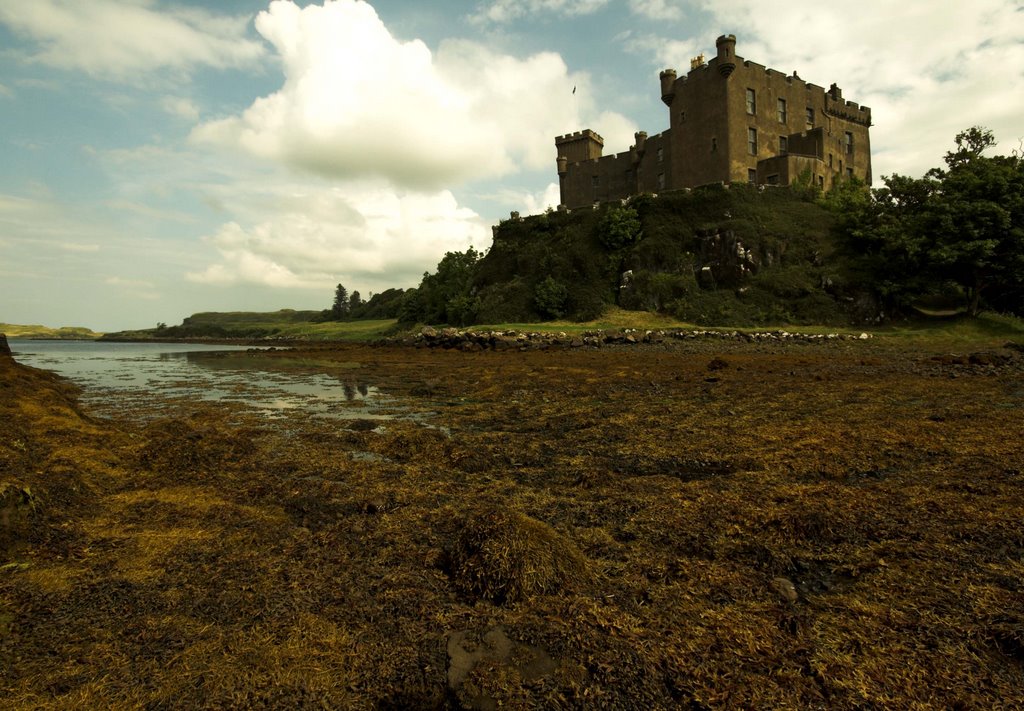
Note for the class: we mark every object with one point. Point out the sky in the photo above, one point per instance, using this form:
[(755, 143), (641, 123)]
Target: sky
[(164, 157)]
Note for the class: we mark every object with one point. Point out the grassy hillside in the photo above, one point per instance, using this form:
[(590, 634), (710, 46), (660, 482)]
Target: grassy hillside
[(717, 255), (284, 324), (35, 331)]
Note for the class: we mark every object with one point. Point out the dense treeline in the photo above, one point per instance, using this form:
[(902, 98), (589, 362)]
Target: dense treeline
[(955, 236), (352, 307)]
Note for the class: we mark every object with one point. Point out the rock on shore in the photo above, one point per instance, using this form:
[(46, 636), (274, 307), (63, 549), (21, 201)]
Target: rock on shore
[(472, 340)]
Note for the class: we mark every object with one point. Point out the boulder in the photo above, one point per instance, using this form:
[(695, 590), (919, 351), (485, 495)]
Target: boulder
[(785, 589)]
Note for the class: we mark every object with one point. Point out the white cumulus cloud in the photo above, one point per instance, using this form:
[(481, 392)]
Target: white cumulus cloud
[(358, 102), (366, 236), (537, 203), (180, 106), (657, 9), (125, 39), (503, 11)]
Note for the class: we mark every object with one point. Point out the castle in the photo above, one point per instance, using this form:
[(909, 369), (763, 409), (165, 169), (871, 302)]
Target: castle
[(730, 120)]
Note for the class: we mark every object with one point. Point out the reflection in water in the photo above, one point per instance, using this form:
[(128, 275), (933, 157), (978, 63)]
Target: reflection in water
[(145, 377)]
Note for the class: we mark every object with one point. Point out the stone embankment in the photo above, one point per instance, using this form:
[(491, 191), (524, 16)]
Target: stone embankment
[(471, 340)]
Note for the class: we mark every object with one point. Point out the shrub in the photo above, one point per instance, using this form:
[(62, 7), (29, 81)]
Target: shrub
[(550, 297), (619, 227)]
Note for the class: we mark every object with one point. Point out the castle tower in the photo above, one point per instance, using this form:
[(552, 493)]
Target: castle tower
[(726, 45), (668, 86), (580, 146), (573, 148)]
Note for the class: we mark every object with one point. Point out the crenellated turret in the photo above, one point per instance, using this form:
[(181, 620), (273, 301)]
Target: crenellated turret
[(726, 45), (668, 86), (641, 141), (579, 146)]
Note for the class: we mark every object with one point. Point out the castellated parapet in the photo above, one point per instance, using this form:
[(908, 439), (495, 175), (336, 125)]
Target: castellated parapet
[(730, 120)]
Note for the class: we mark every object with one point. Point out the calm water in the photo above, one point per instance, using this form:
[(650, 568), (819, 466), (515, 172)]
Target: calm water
[(150, 377)]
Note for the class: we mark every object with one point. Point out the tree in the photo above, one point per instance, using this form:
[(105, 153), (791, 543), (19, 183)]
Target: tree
[(341, 305), (961, 225), (448, 295), (354, 301), (977, 220)]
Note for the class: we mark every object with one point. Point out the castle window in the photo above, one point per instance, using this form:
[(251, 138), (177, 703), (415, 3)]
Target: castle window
[(752, 176), (682, 117), (821, 182), (781, 110), (751, 102), (783, 145), (848, 142), (661, 181), (849, 173), (829, 160), (714, 145), (810, 117), (772, 179), (661, 155), (595, 182), (752, 141)]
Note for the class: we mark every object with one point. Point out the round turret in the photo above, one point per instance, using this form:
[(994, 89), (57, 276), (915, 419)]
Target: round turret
[(668, 86), (726, 45)]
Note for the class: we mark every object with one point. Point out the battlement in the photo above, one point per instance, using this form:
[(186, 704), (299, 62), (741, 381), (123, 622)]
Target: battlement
[(579, 136), (847, 110), (579, 146)]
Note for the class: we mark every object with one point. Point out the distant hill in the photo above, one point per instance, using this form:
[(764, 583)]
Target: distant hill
[(723, 255), (283, 324), (69, 333)]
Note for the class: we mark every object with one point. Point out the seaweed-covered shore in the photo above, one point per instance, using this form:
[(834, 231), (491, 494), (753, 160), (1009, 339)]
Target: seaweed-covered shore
[(693, 524)]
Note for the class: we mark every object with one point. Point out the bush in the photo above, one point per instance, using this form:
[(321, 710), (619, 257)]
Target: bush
[(506, 302), (550, 297), (654, 291), (586, 302), (619, 227)]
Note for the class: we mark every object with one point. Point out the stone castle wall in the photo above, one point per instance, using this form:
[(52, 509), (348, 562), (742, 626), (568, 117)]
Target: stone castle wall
[(715, 111)]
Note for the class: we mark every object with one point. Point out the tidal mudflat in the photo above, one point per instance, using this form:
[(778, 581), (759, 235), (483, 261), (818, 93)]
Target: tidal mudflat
[(697, 524)]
